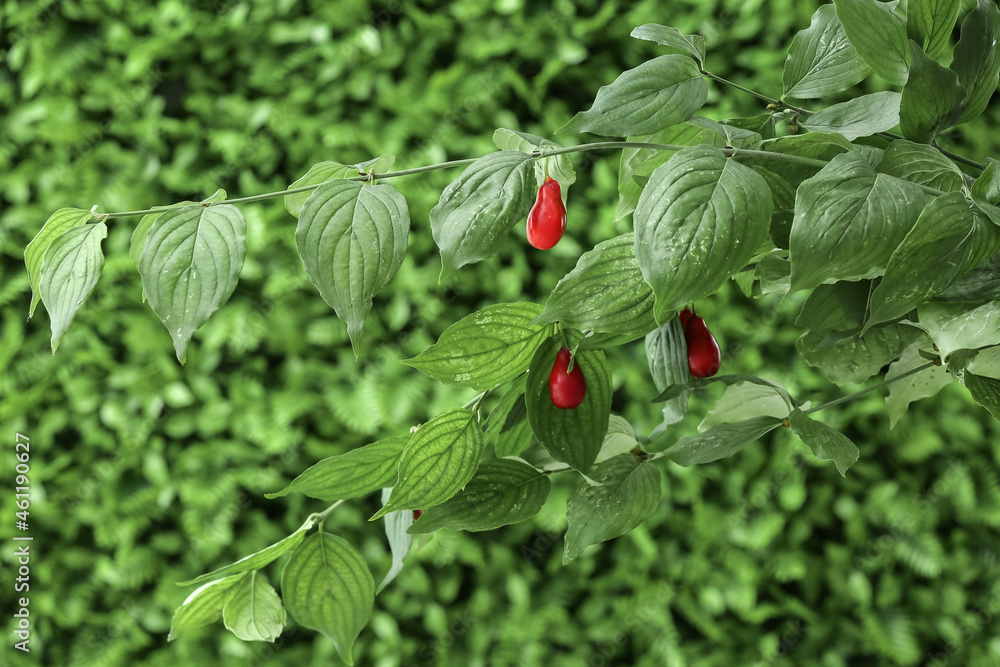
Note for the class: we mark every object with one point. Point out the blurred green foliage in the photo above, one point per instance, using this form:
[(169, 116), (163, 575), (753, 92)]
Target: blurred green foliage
[(145, 472)]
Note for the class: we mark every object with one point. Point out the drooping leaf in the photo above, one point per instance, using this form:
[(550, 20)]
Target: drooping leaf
[(746, 400), (879, 35), (487, 348), (985, 391), (976, 61), (721, 441), (327, 586), (351, 238), (203, 606), (924, 384), (59, 222), (253, 610), (396, 526), (701, 217), (821, 60), (257, 560), (929, 23), (656, 94), (932, 98), (69, 272), (507, 429), (629, 492), (826, 443), (666, 356), (673, 39), (859, 117)]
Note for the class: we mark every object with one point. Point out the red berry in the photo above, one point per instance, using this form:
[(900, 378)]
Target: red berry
[(684, 316), (566, 389), (547, 218), (416, 514), (704, 357)]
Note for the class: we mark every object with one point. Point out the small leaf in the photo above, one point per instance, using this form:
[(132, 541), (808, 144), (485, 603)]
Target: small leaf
[(203, 606), (69, 272), (987, 363), (744, 401), (821, 60), (327, 587), (190, 264), (503, 491), (440, 458), (666, 356), (396, 526), (930, 22), (879, 35), (321, 172), (629, 492), (559, 167), (826, 444), (976, 59), (656, 94), (620, 439), (924, 384), (356, 473), (571, 436), (604, 293), (485, 349), (255, 561), (673, 39), (253, 610), (721, 441), (59, 222), (957, 326), (351, 239), (859, 117), (985, 391), (931, 99), (478, 209), (507, 429)]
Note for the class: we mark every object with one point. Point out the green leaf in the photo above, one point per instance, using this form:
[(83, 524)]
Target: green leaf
[(328, 587), (620, 439), (356, 473), (985, 391), (929, 23), (719, 442), (203, 606), (746, 400), (700, 219), (559, 167), (190, 264), (507, 429), (826, 444), (976, 59), (986, 191), (859, 117), (666, 355), (604, 293), (629, 492), (821, 61), (396, 526), (879, 35), (69, 272), (656, 94), (774, 273), (441, 457), (257, 560), (59, 222), (948, 240), (487, 348), (478, 209), (351, 238), (253, 610), (818, 145), (852, 358), (932, 98), (921, 164), (841, 306), (321, 172), (958, 326), (503, 491), (848, 220), (987, 363), (571, 436), (673, 39), (727, 380), (924, 384)]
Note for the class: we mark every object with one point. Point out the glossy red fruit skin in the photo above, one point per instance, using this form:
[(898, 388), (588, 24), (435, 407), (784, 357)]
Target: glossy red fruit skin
[(416, 514), (547, 218), (704, 356), (567, 390), (684, 316)]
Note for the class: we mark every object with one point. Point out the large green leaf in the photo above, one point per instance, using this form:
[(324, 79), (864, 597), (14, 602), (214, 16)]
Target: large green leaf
[(190, 264), (976, 60), (701, 217), (879, 35), (930, 22), (327, 587), (826, 444), (440, 458), (821, 60), (356, 473), (478, 209), (604, 293), (571, 436), (487, 348), (70, 270), (852, 358), (721, 441), (673, 39), (59, 222), (932, 98), (949, 238), (958, 326), (666, 356), (862, 116), (257, 560), (848, 220), (253, 610), (921, 164), (203, 606), (503, 491), (351, 238), (656, 94), (914, 387), (627, 494)]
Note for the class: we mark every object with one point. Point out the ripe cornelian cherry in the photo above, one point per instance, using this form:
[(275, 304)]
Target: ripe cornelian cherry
[(684, 316), (704, 357), (547, 218), (566, 389), (417, 514)]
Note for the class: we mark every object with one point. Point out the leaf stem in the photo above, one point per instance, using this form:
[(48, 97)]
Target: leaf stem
[(322, 516), (737, 86), (849, 397)]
